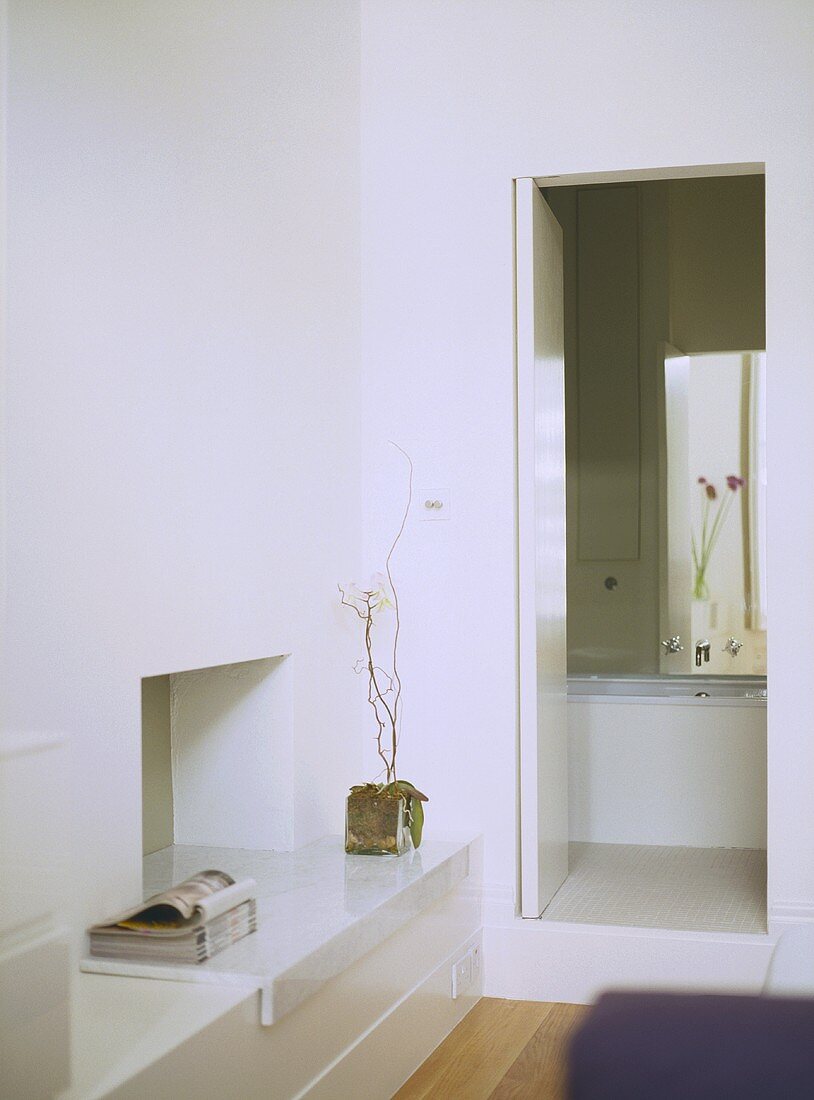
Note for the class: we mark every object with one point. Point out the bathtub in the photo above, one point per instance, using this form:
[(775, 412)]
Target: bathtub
[(650, 763), (726, 691)]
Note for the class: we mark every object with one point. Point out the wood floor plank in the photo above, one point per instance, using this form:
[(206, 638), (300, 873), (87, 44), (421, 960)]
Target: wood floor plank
[(476, 1056), (539, 1069)]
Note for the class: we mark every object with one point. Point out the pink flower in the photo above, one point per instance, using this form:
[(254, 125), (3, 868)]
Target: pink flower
[(702, 481), (734, 482)]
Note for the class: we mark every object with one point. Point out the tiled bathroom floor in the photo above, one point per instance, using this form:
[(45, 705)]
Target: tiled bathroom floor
[(647, 886)]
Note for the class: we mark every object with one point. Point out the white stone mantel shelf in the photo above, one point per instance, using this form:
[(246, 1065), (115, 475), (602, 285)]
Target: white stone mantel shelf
[(318, 909)]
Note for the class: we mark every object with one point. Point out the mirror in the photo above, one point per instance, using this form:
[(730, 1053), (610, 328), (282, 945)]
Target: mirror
[(665, 366), (713, 522)]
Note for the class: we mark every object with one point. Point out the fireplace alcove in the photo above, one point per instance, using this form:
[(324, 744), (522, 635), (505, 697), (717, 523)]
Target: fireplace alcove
[(218, 757), (219, 790)]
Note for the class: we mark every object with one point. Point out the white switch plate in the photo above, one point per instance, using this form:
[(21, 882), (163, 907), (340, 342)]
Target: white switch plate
[(466, 971), (433, 503)]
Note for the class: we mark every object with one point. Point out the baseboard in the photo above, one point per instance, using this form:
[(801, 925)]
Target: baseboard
[(499, 905), (544, 961), (783, 914)]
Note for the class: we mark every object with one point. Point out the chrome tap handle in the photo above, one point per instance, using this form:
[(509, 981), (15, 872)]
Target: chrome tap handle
[(733, 646), (673, 645)]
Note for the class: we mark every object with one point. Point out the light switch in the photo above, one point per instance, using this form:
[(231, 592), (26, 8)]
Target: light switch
[(433, 503)]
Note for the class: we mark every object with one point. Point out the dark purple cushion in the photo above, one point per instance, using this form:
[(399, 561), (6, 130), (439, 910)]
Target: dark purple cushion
[(666, 1046)]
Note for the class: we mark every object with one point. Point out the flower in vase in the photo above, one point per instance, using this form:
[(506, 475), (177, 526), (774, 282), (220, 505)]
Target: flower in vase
[(711, 527)]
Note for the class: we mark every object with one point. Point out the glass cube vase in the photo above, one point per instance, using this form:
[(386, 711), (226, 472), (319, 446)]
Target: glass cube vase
[(376, 823)]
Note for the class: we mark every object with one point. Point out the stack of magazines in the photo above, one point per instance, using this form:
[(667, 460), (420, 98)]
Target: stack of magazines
[(188, 923)]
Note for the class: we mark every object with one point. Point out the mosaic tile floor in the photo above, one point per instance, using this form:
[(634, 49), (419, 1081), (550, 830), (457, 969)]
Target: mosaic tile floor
[(648, 886)]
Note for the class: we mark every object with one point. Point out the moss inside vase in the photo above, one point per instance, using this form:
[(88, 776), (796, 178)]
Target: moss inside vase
[(376, 822)]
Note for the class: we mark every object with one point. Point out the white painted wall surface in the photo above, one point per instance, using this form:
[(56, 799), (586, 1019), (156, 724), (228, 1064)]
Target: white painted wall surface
[(233, 756), (456, 100), (183, 347), (183, 381), (643, 773)]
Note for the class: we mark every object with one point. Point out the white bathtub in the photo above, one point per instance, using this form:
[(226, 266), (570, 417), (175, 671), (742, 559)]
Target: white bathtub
[(660, 766), (717, 690)]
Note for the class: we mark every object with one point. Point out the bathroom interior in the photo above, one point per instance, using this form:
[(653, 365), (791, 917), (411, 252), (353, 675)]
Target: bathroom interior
[(664, 332)]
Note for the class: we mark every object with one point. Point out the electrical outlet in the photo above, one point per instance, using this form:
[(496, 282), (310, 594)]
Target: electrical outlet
[(461, 976), (466, 971), (432, 503)]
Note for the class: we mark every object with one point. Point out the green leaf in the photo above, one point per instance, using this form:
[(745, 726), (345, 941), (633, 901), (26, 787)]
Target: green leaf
[(416, 821), (411, 791)]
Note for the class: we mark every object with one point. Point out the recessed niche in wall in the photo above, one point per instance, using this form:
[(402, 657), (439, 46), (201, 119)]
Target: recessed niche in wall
[(217, 756)]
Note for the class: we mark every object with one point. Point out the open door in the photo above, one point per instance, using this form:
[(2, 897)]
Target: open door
[(541, 554)]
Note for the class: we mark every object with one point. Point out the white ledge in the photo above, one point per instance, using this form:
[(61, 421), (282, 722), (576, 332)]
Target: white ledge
[(319, 911)]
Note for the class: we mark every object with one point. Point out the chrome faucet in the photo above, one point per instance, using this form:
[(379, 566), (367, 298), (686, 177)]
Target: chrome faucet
[(673, 645), (701, 652)]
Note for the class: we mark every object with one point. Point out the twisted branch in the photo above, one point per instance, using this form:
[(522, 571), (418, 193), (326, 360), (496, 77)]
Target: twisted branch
[(376, 696), (396, 540)]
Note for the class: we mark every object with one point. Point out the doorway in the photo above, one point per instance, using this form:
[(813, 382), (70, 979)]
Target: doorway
[(636, 779)]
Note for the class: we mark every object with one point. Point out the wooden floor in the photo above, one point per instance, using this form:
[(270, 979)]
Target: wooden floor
[(501, 1050)]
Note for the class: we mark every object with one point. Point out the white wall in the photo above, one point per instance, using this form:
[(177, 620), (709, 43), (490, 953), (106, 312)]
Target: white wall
[(233, 757), (183, 380), (183, 389), (456, 100)]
